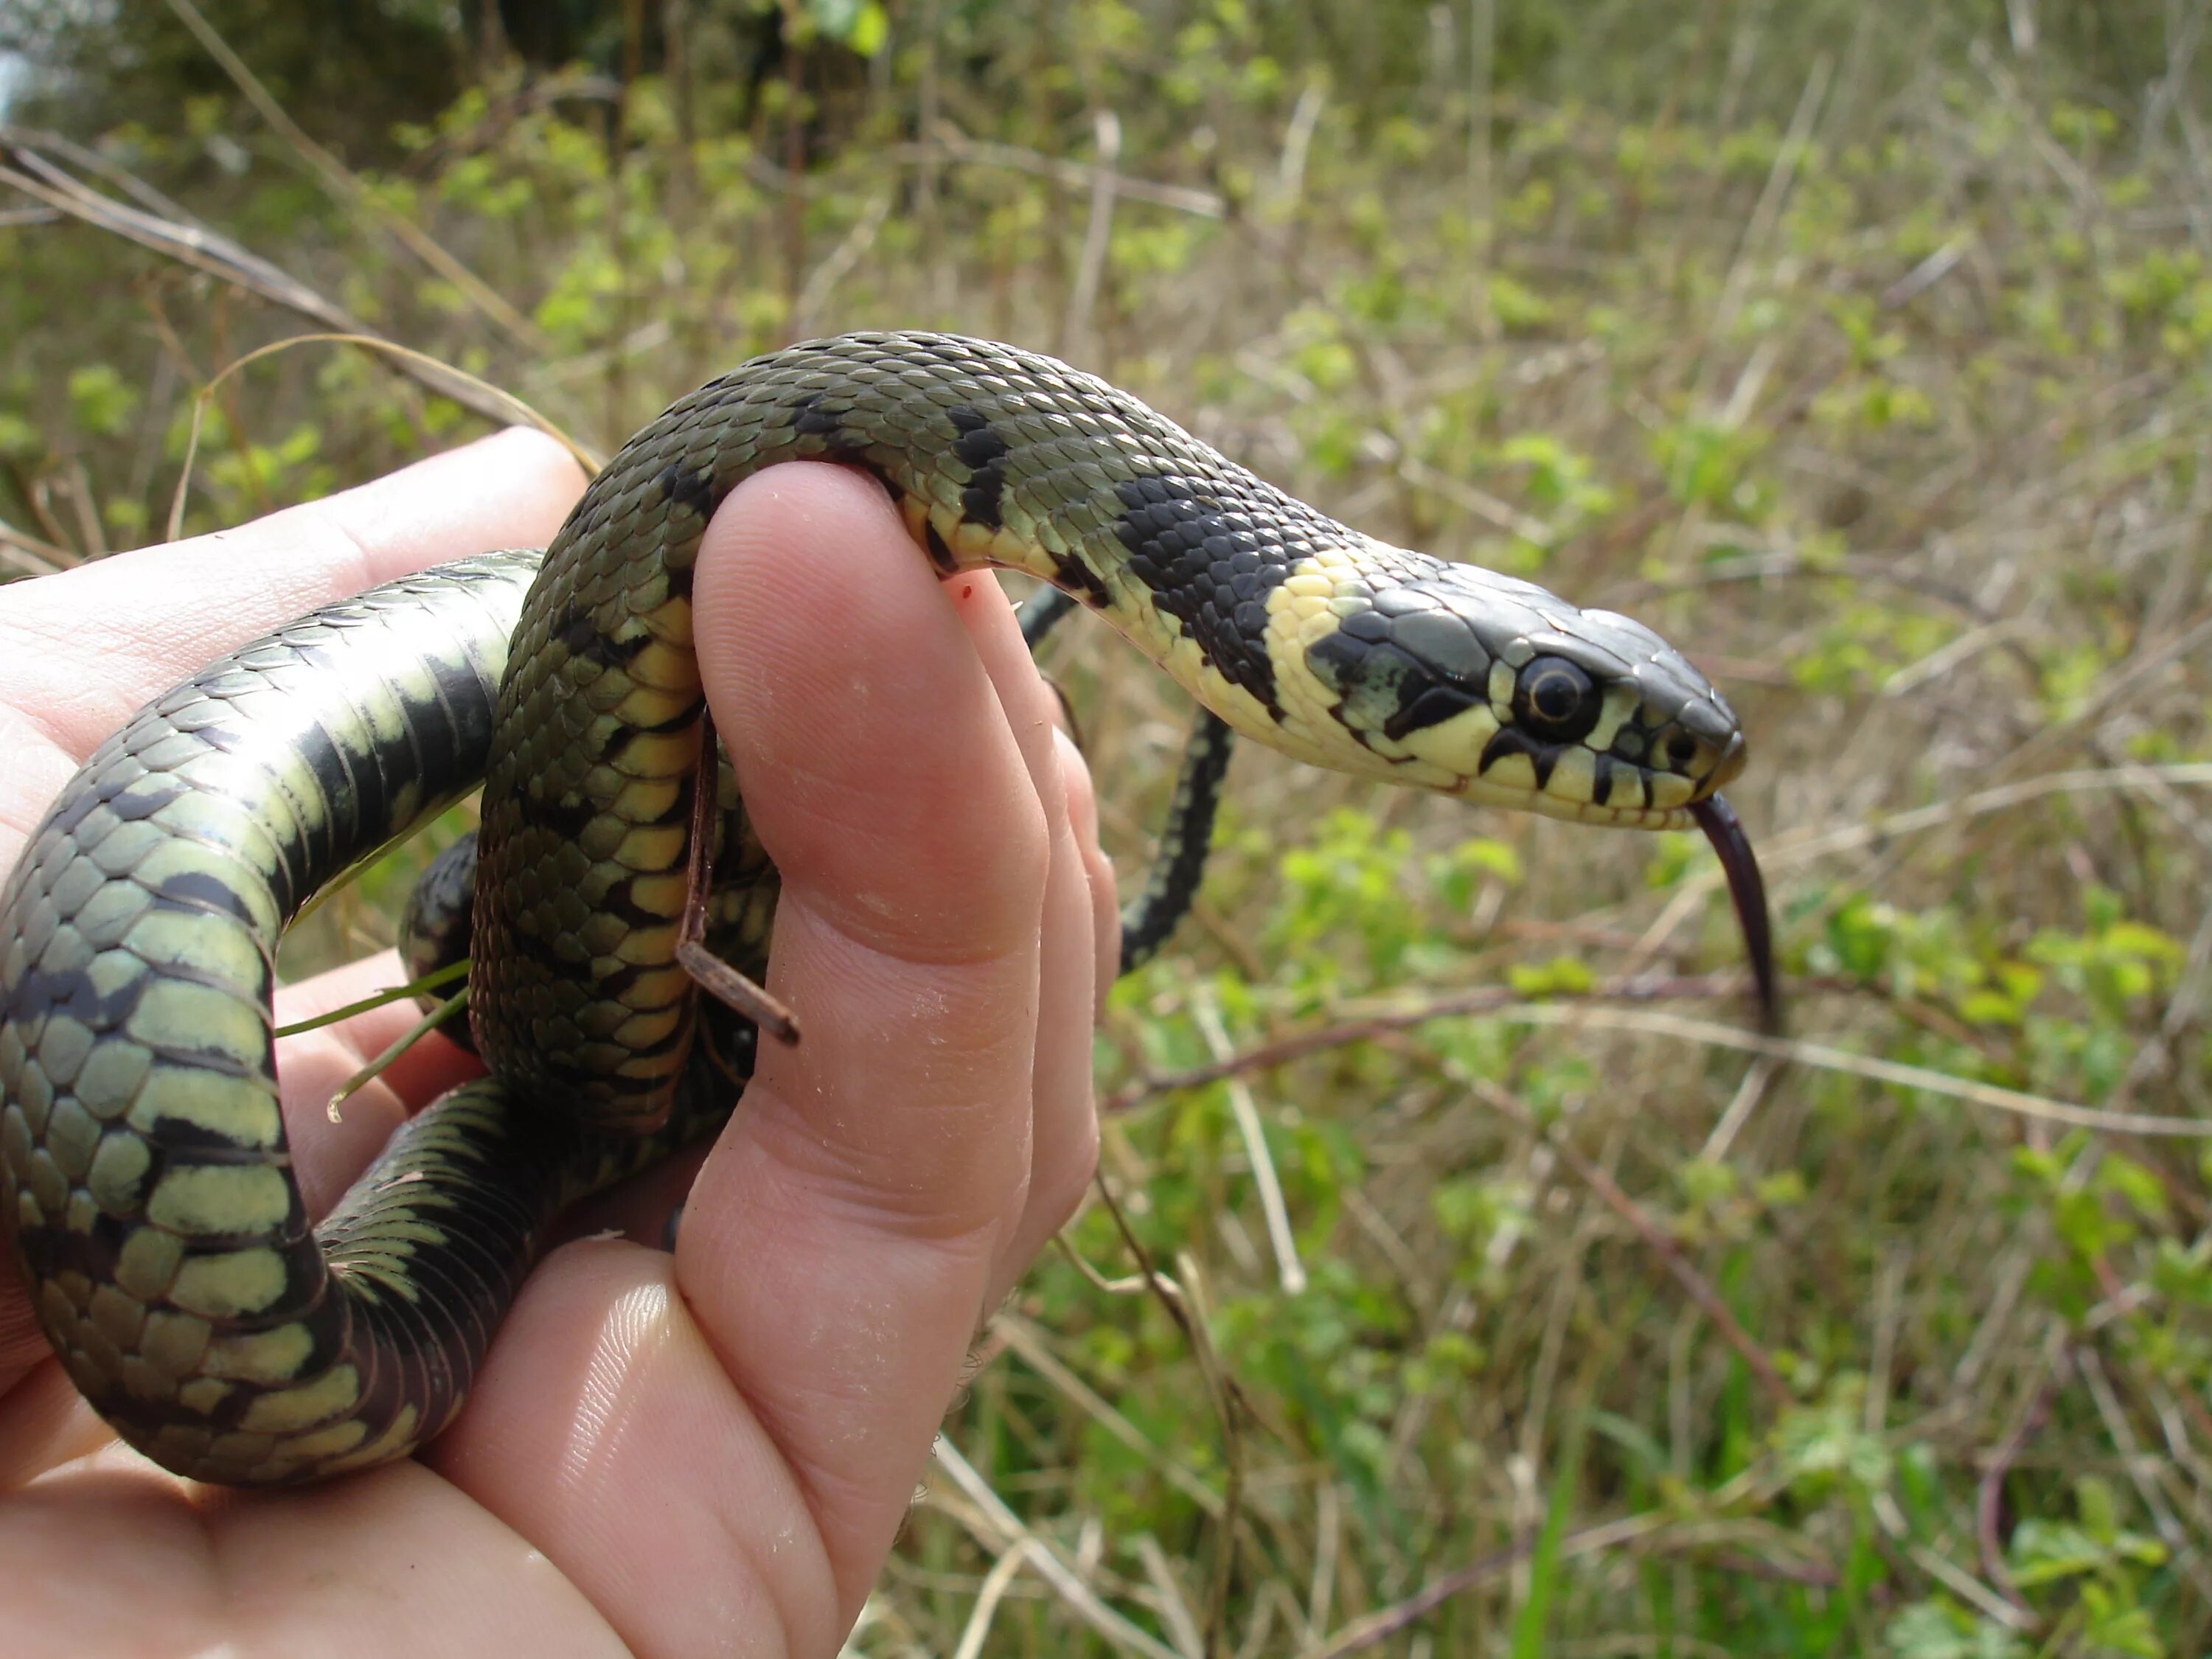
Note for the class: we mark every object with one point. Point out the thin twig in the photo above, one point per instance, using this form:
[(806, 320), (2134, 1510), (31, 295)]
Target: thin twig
[(23, 169), (1221, 1389), (350, 193), (1787, 852), (1024, 1340), (843, 260), (2187, 1558), (995, 1582), (2112, 689), (369, 1004), (514, 410), (1075, 327), (1988, 1495), (101, 166), (399, 1046), (1290, 1271), (1079, 1596), (1493, 1002), (1757, 1076), (1880, 1071), (1386, 1622), (1481, 999), (36, 556), (949, 144), (1174, 1607), (1768, 207), (1653, 1236)]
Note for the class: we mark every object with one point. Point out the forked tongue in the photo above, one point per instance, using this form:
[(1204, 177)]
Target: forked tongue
[(1748, 890)]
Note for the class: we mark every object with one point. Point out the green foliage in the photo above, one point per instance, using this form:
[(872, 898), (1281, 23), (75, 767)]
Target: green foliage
[(1898, 431), (102, 401), (1939, 1628)]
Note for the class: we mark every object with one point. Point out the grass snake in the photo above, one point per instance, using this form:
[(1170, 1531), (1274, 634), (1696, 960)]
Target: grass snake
[(144, 1171)]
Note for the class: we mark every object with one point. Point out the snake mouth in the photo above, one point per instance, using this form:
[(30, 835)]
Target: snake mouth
[(1747, 891), (1579, 785)]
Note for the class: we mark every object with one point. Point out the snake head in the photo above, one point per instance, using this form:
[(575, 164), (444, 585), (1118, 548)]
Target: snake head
[(1484, 686), (1481, 685)]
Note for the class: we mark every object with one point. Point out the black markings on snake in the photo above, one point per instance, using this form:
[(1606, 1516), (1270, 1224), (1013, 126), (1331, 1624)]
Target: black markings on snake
[(582, 636), (1211, 568), (439, 727), (620, 738), (183, 1134), (1076, 577), (981, 450), (620, 902), (73, 811), (693, 491), (567, 815), (939, 553), (811, 420), (1511, 740), (74, 994), (1601, 781), (61, 1250), (341, 792), (1380, 688), (140, 798), (196, 889), (1431, 708)]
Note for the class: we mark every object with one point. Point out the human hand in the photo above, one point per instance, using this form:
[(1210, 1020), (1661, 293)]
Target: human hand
[(711, 1451)]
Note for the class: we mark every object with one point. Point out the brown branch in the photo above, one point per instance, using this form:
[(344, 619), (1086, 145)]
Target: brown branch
[(1222, 1389), (1479, 999), (1385, 1622), (1989, 1496), (1699, 1289), (1795, 1572)]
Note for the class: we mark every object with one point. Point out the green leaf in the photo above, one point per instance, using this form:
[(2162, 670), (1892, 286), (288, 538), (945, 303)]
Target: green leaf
[(101, 400), (1939, 1629), (19, 439)]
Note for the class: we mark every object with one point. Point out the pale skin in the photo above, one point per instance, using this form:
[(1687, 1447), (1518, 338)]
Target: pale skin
[(707, 1452)]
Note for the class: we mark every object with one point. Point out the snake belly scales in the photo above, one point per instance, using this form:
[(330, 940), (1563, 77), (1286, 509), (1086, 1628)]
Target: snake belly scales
[(144, 1176)]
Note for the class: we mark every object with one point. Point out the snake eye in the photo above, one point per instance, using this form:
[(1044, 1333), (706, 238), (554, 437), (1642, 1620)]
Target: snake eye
[(1681, 749), (1553, 700)]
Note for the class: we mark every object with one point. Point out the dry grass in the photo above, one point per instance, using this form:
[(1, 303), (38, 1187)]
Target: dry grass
[(1501, 1328)]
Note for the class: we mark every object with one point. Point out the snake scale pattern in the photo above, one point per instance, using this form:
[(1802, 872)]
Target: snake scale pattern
[(144, 1177)]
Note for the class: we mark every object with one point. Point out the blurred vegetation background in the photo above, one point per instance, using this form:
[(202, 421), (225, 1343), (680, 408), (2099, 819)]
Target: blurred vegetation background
[(1522, 1303)]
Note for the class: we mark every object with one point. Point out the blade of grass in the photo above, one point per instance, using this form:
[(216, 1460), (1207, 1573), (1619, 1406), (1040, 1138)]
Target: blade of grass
[(1544, 1567)]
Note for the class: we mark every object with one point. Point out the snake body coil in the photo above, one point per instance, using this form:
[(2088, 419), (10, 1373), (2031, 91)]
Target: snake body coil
[(144, 1170)]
